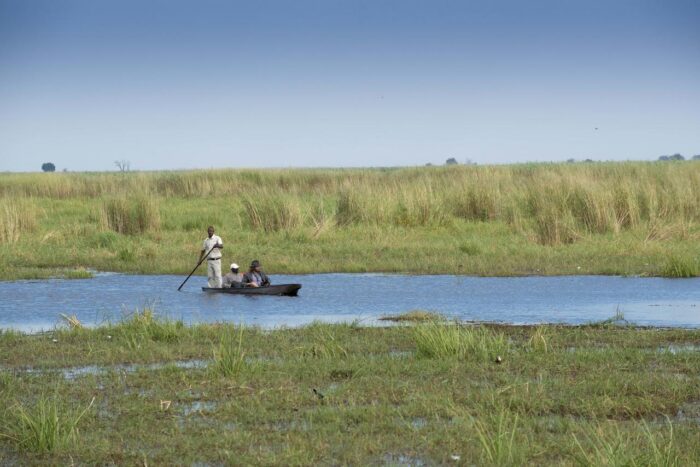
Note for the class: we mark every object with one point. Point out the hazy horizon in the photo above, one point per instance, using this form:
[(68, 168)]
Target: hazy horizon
[(179, 85)]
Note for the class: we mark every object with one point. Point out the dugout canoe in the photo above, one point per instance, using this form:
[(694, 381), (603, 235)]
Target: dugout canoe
[(290, 290)]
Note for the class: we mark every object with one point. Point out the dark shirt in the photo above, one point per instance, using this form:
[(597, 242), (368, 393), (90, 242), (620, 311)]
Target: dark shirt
[(259, 278)]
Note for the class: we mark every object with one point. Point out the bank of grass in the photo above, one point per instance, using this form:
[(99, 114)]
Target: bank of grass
[(345, 394), (606, 218)]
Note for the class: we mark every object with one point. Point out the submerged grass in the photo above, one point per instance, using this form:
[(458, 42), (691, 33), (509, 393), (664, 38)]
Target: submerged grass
[(611, 218), (345, 394)]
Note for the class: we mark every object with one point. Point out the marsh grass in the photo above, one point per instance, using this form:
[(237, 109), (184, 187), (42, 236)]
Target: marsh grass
[(496, 434), (144, 325), (606, 443), (681, 267), (540, 341), (372, 396), (17, 217), (414, 316), (131, 216), (613, 218), (272, 213), (45, 426), (229, 356), (323, 341), (441, 340)]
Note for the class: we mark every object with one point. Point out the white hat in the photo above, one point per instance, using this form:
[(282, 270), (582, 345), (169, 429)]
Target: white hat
[(234, 266)]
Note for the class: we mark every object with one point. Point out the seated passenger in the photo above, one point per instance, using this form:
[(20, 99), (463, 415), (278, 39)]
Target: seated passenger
[(255, 277), (233, 278)]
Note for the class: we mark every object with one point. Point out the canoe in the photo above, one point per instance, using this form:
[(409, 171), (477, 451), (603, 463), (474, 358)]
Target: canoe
[(290, 290)]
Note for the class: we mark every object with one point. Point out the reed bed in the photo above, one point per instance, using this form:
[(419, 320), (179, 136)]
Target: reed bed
[(131, 216), (556, 203), (609, 218)]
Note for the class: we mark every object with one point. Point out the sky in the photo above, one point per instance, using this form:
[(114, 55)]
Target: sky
[(169, 84)]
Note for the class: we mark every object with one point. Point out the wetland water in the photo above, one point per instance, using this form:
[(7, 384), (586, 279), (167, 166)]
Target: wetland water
[(35, 305)]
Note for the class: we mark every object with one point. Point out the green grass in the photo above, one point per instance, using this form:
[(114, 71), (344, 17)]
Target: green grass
[(45, 426), (346, 394), (436, 339), (608, 218), (683, 267)]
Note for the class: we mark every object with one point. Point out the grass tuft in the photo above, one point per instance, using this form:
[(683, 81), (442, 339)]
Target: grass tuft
[(496, 435), (45, 427), (229, 356), (131, 216), (414, 316), (440, 340), (681, 267), (145, 326), (272, 213)]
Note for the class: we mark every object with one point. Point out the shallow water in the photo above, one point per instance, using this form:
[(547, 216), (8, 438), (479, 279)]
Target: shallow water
[(36, 305)]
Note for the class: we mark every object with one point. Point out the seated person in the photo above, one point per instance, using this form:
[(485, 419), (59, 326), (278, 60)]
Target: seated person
[(233, 278), (255, 277)]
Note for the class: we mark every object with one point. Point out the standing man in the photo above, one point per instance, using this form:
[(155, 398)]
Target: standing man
[(213, 245)]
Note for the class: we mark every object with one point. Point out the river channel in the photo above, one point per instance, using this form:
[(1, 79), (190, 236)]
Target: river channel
[(33, 306)]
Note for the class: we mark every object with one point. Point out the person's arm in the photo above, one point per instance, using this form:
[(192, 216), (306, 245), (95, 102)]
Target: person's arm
[(266, 280)]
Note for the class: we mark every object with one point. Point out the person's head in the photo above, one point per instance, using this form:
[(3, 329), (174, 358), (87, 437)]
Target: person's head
[(255, 266), (210, 230), (234, 268)]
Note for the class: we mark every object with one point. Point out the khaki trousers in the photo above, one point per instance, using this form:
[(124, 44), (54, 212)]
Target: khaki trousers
[(214, 273)]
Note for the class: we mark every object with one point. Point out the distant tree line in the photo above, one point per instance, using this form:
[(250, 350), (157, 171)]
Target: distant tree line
[(678, 157)]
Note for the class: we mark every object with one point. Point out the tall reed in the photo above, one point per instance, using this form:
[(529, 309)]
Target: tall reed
[(17, 217), (131, 216)]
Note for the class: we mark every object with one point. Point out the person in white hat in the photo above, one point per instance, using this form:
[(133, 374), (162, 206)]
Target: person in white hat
[(233, 278)]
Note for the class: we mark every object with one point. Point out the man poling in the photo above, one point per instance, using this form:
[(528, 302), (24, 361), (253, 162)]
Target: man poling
[(211, 249)]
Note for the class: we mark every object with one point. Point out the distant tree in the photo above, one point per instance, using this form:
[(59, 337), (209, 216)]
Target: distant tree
[(571, 161), (664, 158), (451, 161), (429, 164), (588, 160), (48, 167), (696, 157), (469, 162), (123, 165), (676, 157)]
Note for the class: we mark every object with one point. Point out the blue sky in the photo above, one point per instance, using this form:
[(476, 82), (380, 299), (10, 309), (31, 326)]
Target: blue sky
[(199, 84)]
